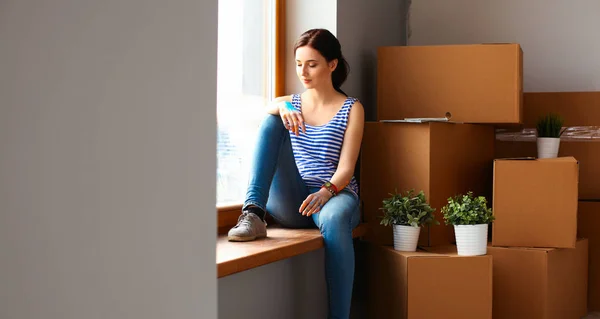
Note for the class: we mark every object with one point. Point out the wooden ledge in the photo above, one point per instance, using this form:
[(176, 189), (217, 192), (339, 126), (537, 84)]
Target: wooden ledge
[(281, 243)]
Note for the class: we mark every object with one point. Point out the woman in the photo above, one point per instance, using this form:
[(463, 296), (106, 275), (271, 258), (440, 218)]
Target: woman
[(303, 166)]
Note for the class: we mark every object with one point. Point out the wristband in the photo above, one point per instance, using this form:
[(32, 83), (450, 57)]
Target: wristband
[(331, 188)]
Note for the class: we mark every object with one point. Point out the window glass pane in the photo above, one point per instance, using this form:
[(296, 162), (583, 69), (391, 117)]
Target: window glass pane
[(244, 87)]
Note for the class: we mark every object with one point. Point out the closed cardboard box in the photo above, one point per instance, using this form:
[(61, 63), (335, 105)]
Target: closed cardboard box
[(411, 285), (576, 108), (442, 159), (589, 227), (540, 283), (480, 83), (587, 154), (535, 202)]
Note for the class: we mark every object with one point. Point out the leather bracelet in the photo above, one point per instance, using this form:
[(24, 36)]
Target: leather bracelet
[(331, 191), (335, 189), (331, 188)]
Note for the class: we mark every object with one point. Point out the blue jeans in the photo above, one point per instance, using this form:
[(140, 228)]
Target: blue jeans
[(275, 185)]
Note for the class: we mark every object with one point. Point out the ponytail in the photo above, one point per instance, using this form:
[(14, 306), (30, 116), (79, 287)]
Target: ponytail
[(340, 74)]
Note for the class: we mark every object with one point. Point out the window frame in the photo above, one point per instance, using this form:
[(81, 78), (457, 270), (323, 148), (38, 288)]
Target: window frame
[(227, 215)]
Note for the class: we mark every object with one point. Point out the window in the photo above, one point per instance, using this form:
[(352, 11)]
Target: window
[(245, 84)]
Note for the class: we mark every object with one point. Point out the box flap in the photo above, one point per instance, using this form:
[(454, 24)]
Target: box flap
[(448, 251), (538, 249), (515, 159), (559, 159), (413, 254), (443, 249), (529, 158), (419, 121), (406, 121)]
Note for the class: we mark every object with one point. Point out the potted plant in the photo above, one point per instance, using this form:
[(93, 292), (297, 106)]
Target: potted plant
[(407, 213), (470, 217), (549, 130)]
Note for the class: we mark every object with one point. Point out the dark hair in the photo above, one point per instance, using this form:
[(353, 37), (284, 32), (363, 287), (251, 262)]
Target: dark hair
[(328, 45)]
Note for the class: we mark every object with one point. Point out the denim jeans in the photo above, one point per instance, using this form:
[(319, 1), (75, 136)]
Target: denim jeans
[(276, 186)]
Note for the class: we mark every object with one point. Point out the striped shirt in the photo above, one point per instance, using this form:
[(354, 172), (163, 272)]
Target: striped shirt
[(317, 152)]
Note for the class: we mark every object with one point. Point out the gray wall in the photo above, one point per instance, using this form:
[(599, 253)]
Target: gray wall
[(362, 27), (295, 288), (292, 288), (107, 168), (560, 44)]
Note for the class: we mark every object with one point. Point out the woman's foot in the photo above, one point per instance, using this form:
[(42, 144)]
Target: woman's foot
[(249, 227)]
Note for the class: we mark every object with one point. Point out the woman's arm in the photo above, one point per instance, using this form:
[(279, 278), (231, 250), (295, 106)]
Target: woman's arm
[(348, 158), (273, 107), (291, 118), (350, 147)]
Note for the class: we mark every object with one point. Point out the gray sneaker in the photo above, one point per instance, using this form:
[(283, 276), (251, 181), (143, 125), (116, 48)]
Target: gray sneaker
[(249, 227)]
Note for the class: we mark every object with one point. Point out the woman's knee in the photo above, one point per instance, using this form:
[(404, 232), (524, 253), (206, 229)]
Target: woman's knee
[(340, 214), (272, 122)]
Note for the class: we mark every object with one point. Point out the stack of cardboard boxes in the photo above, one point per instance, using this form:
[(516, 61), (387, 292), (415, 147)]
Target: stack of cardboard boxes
[(540, 267), (477, 87), (581, 140)]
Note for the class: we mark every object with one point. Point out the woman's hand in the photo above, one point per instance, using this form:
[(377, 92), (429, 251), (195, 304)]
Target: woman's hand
[(292, 119), (315, 202)]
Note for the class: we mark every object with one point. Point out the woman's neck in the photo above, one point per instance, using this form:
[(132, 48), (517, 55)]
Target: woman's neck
[(320, 97)]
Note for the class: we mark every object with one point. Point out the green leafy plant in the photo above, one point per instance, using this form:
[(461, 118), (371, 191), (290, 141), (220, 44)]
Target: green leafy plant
[(467, 210), (550, 125), (408, 210)]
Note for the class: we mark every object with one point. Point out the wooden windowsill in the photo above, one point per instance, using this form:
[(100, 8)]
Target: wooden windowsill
[(281, 243)]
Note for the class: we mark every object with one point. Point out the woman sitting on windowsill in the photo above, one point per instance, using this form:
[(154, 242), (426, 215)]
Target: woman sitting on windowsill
[(303, 165)]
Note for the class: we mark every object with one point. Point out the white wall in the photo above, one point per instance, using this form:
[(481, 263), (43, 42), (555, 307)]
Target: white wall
[(303, 15), (559, 38), (107, 161)]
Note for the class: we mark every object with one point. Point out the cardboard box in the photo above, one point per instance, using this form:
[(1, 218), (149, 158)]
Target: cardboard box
[(576, 108), (412, 285), (481, 83), (540, 283), (589, 227), (442, 159), (535, 202), (587, 153)]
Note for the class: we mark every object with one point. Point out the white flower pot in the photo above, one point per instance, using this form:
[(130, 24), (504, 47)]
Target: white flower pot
[(471, 240), (547, 147), (406, 237)]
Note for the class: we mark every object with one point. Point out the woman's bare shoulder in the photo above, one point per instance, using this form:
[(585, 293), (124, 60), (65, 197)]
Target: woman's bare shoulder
[(357, 104), (283, 98)]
